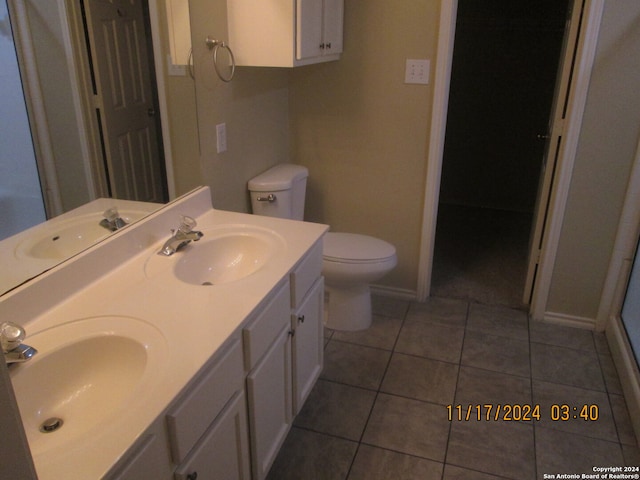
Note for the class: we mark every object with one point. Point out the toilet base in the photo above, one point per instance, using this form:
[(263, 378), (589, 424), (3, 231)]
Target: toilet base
[(348, 309)]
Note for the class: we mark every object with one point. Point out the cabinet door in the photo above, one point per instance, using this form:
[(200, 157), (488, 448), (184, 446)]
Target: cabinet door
[(309, 42), (269, 396), (333, 26), (147, 459), (223, 452), (308, 343)]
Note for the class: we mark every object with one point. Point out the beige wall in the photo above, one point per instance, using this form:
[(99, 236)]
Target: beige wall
[(48, 33), (608, 140), (254, 107), (363, 133), (182, 119)]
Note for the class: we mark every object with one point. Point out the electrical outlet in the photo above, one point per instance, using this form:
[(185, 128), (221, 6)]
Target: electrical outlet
[(417, 71), (221, 137)]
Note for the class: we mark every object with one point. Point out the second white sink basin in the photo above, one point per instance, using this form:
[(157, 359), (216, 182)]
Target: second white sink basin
[(63, 239), (225, 254), (86, 376)]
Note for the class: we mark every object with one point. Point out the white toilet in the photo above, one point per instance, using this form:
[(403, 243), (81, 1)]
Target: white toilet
[(351, 262)]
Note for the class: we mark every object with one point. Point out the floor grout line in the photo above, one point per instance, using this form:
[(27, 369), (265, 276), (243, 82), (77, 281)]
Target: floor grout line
[(447, 459)]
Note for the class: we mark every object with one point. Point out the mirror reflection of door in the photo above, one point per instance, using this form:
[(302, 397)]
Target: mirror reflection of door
[(126, 99)]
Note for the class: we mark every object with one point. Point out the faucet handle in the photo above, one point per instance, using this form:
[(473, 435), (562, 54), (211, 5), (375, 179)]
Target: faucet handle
[(187, 224), (11, 335), (111, 214), (112, 220)]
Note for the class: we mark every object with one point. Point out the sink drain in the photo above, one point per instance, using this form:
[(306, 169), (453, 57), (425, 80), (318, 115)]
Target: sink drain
[(51, 425), (207, 284)]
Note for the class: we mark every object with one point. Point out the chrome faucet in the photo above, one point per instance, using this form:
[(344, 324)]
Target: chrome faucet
[(112, 220), (11, 337), (180, 237)]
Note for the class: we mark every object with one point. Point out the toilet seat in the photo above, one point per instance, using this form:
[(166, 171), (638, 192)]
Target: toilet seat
[(352, 248)]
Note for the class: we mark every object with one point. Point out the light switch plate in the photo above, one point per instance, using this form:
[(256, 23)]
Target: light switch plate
[(417, 71), (221, 137), (175, 70)]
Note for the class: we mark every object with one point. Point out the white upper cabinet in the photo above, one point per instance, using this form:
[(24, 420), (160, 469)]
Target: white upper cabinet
[(285, 33)]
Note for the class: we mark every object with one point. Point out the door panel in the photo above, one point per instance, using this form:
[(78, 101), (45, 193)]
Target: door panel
[(333, 25), (553, 141), (309, 26), (125, 99)]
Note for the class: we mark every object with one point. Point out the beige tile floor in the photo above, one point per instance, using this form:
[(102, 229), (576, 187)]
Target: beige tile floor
[(379, 410)]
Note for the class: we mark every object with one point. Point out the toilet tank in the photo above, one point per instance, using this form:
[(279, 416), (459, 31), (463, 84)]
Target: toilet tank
[(280, 191)]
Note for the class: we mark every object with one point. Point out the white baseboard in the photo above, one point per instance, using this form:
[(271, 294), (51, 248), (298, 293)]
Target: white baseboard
[(570, 320), (628, 370), (399, 293)]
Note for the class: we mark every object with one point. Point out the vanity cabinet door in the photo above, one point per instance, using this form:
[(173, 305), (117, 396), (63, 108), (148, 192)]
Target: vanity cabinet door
[(269, 399), (147, 458), (308, 343), (333, 26), (223, 452), (197, 407), (285, 33), (319, 28), (309, 41)]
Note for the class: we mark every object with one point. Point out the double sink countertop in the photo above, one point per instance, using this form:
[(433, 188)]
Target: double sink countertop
[(124, 282)]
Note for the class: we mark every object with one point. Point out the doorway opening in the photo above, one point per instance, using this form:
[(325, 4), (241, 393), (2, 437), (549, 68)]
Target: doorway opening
[(503, 78)]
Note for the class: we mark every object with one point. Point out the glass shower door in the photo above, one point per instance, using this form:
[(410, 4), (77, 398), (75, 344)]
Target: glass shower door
[(631, 307)]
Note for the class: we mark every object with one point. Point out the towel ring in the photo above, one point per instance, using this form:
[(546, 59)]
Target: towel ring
[(190, 69), (215, 45)]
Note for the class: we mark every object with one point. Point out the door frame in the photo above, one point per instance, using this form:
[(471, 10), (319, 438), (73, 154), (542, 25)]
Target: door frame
[(38, 123), (585, 54)]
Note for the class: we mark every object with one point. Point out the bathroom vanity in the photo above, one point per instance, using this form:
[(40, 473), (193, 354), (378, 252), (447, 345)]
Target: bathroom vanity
[(185, 366)]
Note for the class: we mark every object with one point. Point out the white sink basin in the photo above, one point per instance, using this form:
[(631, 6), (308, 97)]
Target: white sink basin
[(225, 254), (69, 237), (88, 374)]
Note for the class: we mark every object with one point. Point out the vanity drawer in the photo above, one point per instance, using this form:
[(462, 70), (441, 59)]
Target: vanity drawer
[(261, 332), (192, 414), (306, 273)]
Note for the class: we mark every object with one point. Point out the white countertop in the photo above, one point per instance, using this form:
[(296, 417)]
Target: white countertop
[(194, 320)]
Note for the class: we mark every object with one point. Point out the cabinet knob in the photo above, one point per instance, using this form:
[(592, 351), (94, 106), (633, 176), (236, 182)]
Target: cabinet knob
[(192, 476), (300, 318), (322, 46), (328, 45), (292, 333)]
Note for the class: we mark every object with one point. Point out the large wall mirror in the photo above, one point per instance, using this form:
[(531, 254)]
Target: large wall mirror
[(80, 120)]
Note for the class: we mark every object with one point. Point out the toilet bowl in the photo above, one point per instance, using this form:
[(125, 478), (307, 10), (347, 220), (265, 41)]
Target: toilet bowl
[(351, 262)]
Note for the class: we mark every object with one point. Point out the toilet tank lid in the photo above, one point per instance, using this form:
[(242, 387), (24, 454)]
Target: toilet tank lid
[(280, 177)]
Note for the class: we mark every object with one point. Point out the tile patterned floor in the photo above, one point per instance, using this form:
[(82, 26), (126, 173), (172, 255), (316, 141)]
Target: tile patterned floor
[(379, 410)]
